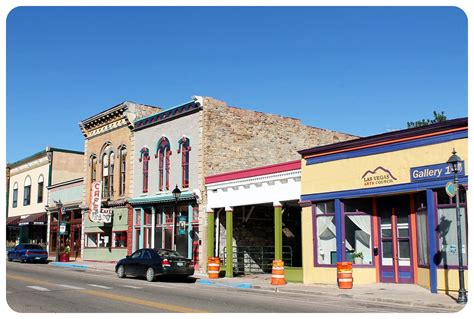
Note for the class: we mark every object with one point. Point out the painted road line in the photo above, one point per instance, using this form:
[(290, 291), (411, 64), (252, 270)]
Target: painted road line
[(38, 288), (142, 302), (99, 286), (161, 286), (71, 287), (133, 287), (28, 279)]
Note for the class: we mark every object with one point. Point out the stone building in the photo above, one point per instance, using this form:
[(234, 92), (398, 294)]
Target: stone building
[(109, 154), (28, 193), (178, 147)]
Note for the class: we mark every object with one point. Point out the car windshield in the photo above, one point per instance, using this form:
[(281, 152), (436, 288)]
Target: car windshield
[(168, 253), (32, 247)]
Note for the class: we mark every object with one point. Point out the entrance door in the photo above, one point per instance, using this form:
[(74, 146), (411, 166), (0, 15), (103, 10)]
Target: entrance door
[(396, 256)]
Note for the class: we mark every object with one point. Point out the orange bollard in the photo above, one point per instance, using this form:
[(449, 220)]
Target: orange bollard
[(278, 273), (344, 275), (213, 267)]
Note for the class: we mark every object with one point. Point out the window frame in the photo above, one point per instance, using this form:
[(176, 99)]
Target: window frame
[(39, 197), (113, 239), (184, 148), (145, 158), (123, 169), (315, 232), (15, 195)]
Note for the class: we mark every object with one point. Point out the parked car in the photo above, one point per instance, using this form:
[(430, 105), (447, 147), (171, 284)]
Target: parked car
[(154, 262), (28, 252)]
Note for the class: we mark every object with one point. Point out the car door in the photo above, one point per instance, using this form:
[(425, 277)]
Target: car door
[(144, 262), (15, 254), (130, 265)]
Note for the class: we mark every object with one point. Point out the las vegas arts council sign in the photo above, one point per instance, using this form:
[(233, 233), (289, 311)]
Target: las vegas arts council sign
[(97, 214)]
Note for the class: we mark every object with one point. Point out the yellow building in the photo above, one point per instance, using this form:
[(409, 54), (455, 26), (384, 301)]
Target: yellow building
[(380, 202)]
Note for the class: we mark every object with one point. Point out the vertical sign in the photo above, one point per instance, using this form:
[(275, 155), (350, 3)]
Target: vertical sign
[(96, 199)]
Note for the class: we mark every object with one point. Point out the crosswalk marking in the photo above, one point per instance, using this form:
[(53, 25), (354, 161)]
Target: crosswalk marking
[(99, 286), (70, 287), (38, 288), (133, 287)]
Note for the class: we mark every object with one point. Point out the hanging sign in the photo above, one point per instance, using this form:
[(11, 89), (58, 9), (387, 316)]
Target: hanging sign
[(181, 225), (62, 229), (97, 214)]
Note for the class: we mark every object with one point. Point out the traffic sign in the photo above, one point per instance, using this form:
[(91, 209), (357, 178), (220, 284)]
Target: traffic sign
[(450, 189)]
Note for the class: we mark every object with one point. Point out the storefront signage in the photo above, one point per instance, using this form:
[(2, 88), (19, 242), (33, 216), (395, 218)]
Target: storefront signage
[(378, 177), (430, 172), (62, 228), (182, 225), (97, 214)]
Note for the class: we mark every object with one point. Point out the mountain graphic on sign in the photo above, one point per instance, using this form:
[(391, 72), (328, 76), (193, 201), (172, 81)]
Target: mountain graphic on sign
[(380, 168)]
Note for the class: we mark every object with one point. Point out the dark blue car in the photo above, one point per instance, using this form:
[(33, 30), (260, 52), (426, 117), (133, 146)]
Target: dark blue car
[(28, 252)]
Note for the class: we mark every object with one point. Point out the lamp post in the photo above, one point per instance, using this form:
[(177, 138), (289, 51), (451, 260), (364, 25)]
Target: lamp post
[(58, 234), (176, 195), (456, 164)]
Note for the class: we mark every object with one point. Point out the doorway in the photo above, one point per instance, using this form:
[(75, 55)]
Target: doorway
[(396, 262)]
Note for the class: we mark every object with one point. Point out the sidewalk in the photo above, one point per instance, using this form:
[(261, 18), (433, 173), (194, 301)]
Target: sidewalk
[(400, 294)]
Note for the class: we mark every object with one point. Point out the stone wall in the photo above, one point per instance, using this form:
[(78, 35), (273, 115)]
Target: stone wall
[(236, 139)]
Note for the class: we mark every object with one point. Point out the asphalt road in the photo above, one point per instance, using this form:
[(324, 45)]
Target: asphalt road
[(39, 288)]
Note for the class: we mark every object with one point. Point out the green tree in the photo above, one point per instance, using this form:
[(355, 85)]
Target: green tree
[(437, 117)]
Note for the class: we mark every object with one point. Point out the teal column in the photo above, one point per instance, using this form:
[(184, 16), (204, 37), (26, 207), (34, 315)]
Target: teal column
[(190, 228), (153, 227), (134, 231), (229, 258), (210, 233), (142, 227), (278, 231)]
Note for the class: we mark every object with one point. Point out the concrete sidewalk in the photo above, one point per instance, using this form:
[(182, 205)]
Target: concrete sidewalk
[(400, 294)]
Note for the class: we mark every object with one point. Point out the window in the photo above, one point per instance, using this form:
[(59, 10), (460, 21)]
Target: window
[(422, 233), (40, 188), (136, 254), (325, 233), (146, 254), (111, 173), (93, 165), (123, 167), (27, 191), (164, 153), (15, 195), (447, 235), (119, 239), (107, 171), (184, 149), (145, 157), (104, 240), (91, 240), (358, 231)]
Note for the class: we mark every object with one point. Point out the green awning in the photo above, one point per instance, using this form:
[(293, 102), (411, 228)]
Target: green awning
[(162, 198)]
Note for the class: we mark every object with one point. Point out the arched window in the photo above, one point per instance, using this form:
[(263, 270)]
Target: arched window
[(40, 188), (163, 151), (184, 148), (93, 165), (27, 191), (15, 195), (107, 171), (123, 166), (145, 157)]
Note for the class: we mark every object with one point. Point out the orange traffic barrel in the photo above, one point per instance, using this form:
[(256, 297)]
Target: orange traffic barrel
[(278, 272), (344, 275), (213, 267)]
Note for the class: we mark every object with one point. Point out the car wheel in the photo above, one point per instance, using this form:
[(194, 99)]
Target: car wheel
[(150, 274), (9, 259), (22, 260), (121, 272)]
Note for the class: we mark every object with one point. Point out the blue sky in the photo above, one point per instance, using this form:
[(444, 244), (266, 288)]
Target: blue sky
[(363, 71)]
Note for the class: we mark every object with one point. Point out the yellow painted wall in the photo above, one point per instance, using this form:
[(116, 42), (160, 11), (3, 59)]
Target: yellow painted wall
[(347, 174), (307, 244), (448, 279), (424, 277)]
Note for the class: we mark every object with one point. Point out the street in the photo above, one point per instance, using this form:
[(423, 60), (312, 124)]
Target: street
[(43, 288)]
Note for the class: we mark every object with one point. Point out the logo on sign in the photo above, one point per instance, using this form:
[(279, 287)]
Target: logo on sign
[(377, 177)]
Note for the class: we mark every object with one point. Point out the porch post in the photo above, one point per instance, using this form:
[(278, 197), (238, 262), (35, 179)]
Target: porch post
[(189, 232), (142, 227), (278, 231), (339, 221), (430, 205), (210, 233), (134, 231), (229, 258), (153, 226)]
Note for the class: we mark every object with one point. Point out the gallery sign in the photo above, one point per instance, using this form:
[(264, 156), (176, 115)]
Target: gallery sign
[(378, 177), (430, 172), (97, 214)]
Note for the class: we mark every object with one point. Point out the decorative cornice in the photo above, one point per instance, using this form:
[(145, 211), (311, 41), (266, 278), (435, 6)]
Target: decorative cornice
[(172, 113), (295, 174)]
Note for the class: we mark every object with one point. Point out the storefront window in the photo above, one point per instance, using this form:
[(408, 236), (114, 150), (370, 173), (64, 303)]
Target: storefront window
[(447, 234), (91, 240), (104, 240), (422, 232), (325, 233), (325, 208), (358, 230), (119, 239)]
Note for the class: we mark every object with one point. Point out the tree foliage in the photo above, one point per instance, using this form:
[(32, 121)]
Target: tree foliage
[(437, 117)]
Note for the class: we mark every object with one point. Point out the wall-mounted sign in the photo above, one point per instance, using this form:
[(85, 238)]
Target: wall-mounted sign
[(378, 177), (97, 214), (430, 172), (181, 225)]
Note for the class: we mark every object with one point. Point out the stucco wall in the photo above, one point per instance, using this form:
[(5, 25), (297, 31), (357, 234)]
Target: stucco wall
[(67, 194), (34, 170), (174, 131), (66, 166)]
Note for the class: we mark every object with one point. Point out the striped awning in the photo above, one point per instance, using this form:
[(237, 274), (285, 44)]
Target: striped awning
[(13, 221), (33, 219)]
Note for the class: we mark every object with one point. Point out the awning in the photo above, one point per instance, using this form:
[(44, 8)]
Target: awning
[(13, 221), (33, 219), (162, 198)]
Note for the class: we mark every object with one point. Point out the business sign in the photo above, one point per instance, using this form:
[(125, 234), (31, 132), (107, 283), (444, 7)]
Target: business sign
[(97, 214), (378, 177), (431, 172), (182, 225), (62, 228)]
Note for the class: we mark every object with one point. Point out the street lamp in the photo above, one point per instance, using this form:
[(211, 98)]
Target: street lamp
[(58, 234), (456, 164), (176, 194)]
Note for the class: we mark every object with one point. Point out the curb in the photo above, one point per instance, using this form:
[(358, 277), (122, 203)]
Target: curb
[(62, 264), (243, 285)]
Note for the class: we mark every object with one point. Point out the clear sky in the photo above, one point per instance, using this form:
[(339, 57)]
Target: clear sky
[(362, 71)]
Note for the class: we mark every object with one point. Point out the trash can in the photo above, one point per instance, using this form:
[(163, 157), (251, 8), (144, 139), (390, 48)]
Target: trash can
[(344, 275)]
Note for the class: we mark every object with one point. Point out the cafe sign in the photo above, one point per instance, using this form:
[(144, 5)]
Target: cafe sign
[(431, 172), (97, 214)]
